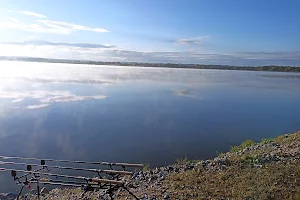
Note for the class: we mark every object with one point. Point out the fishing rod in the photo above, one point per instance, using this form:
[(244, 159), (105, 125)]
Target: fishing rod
[(56, 182), (85, 186), (68, 168), (97, 180), (60, 184), (77, 162), (73, 184), (90, 185), (25, 175)]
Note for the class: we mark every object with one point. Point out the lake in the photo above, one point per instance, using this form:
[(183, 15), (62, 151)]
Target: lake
[(135, 114)]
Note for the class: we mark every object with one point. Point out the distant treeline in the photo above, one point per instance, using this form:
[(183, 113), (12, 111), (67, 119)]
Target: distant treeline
[(259, 68), (166, 65)]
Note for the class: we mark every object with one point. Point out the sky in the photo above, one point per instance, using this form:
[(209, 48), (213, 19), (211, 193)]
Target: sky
[(231, 32)]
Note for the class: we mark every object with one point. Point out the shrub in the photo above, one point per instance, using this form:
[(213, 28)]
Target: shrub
[(266, 141)]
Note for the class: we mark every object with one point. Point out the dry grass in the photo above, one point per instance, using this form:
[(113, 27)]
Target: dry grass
[(271, 182), (277, 180)]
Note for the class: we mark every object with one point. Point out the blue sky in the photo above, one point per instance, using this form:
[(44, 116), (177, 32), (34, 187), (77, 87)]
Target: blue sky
[(248, 32)]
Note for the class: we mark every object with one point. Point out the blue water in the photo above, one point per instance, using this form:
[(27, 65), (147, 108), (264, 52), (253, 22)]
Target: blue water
[(131, 114)]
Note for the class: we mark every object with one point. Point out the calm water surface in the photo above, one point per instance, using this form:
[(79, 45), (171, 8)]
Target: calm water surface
[(131, 114)]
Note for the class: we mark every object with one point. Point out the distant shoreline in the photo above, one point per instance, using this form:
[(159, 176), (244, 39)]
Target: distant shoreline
[(272, 68)]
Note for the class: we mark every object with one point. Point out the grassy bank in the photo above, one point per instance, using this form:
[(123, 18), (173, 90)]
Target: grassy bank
[(266, 170)]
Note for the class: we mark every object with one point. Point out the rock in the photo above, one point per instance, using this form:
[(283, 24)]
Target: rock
[(170, 168), (167, 196), (221, 161), (135, 175), (44, 191), (131, 185), (223, 167), (258, 166), (145, 197), (188, 167)]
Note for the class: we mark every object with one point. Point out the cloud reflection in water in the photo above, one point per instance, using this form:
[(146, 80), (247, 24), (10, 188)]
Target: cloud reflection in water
[(45, 97)]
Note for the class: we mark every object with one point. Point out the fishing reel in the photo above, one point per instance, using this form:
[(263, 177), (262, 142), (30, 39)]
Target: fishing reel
[(13, 173)]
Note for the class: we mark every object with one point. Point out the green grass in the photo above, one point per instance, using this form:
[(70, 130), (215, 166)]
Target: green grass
[(279, 139), (244, 145), (182, 161), (251, 159), (266, 140), (146, 168), (194, 161), (185, 160)]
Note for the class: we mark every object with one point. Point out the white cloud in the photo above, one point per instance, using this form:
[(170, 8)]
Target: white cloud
[(192, 41), (17, 100), (46, 26), (47, 43), (70, 27), (49, 27), (29, 13), (14, 19), (31, 28), (36, 106)]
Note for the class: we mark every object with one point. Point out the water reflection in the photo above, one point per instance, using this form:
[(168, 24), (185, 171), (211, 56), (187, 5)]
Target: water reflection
[(44, 98), (151, 115)]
